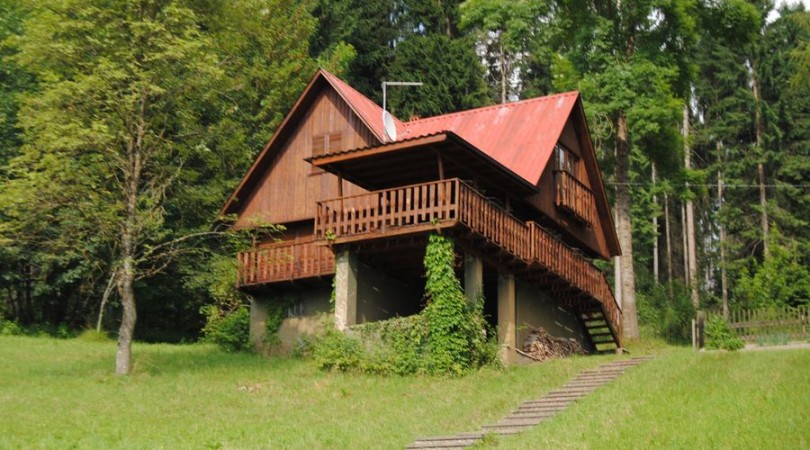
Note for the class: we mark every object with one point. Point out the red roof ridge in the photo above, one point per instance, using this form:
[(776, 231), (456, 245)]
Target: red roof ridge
[(368, 111), (491, 107)]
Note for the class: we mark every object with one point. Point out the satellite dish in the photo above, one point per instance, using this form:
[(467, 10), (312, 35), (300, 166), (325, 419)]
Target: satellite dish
[(390, 126)]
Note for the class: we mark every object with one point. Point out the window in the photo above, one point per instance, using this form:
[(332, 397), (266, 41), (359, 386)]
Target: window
[(566, 160), (323, 144)]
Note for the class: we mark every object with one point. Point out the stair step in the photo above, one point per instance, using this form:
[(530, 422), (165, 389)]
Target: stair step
[(521, 422), (604, 333), (449, 443)]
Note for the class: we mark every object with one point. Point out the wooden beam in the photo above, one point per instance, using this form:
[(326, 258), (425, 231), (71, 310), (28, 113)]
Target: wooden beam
[(325, 160)]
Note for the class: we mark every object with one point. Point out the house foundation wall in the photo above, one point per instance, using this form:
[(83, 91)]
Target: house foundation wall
[(537, 308), (304, 308)]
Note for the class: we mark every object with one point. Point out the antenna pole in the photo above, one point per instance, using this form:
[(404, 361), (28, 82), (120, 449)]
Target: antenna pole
[(385, 85)]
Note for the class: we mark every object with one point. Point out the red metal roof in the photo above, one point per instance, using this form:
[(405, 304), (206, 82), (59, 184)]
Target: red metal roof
[(368, 111), (520, 135)]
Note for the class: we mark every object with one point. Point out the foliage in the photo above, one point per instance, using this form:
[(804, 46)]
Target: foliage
[(9, 328), (457, 338), (667, 317), (449, 337), (229, 330), (449, 69), (719, 335), (781, 280), (91, 335)]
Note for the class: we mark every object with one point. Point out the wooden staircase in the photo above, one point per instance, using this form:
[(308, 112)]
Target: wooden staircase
[(599, 331)]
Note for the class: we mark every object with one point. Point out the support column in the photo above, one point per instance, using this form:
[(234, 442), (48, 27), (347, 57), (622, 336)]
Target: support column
[(345, 289), (258, 323), (473, 277), (507, 317)]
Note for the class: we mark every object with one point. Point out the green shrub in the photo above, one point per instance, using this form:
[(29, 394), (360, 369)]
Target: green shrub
[(449, 337), (229, 330), (9, 328), (335, 350), (719, 336), (91, 335), (667, 317)]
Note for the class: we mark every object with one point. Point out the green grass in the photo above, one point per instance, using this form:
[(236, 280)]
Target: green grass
[(716, 400), (62, 394)]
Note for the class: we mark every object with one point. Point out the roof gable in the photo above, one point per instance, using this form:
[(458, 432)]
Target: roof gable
[(368, 112)]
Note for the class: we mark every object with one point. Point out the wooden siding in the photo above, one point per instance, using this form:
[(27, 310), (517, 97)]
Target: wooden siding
[(451, 203), (585, 234), (289, 189), (284, 261)]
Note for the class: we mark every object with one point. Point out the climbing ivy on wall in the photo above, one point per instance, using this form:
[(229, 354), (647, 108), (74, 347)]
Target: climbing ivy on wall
[(449, 337), (457, 338)]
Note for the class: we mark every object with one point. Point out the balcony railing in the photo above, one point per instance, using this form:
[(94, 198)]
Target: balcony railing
[(283, 262), (451, 203), (574, 197)]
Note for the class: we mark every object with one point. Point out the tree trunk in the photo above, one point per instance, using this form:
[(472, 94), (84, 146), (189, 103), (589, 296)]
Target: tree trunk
[(668, 232), (684, 245), (503, 72), (628, 282), (759, 131), (763, 204), (104, 298), (126, 277), (123, 358), (722, 237), (690, 215), (656, 276)]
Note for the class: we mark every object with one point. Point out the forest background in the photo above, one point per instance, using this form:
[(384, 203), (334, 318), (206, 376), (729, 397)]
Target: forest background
[(125, 124)]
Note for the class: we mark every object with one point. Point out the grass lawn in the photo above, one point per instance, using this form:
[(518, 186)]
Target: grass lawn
[(62, 394)]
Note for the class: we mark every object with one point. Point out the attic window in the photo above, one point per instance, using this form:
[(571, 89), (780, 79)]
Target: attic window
[(326, 143), (565, 160)]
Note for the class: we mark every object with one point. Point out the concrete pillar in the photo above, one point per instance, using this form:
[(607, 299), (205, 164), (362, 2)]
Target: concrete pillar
[(345, 289), (507, 318), (473, 277), (258, 323)]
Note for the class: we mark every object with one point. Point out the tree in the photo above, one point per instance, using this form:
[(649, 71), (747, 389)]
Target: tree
[(129, 140), (631, 56), (507, 34), (449, 69)]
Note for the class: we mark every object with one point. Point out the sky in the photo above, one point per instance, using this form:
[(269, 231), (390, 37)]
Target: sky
[(774, 15)]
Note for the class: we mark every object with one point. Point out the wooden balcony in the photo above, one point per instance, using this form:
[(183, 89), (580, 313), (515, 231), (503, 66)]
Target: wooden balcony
[(454, 204), (284, 261), (574, 197)]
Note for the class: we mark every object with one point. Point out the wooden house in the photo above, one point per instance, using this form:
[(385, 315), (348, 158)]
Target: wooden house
[(516, 185)]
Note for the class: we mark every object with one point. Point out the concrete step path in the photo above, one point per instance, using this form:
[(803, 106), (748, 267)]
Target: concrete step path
[(531, 412)]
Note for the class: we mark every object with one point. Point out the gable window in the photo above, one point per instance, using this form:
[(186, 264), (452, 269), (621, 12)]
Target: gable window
[(326, 143), (566, 160)]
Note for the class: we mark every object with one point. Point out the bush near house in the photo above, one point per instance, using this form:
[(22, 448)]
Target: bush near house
[(449, 337)]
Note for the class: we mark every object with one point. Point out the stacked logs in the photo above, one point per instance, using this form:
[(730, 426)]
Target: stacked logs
[(541, 346)]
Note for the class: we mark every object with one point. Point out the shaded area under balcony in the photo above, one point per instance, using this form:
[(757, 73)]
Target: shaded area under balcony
[(453, 206)]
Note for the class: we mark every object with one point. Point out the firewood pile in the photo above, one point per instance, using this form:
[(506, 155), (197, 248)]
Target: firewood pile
[(541, 346)]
